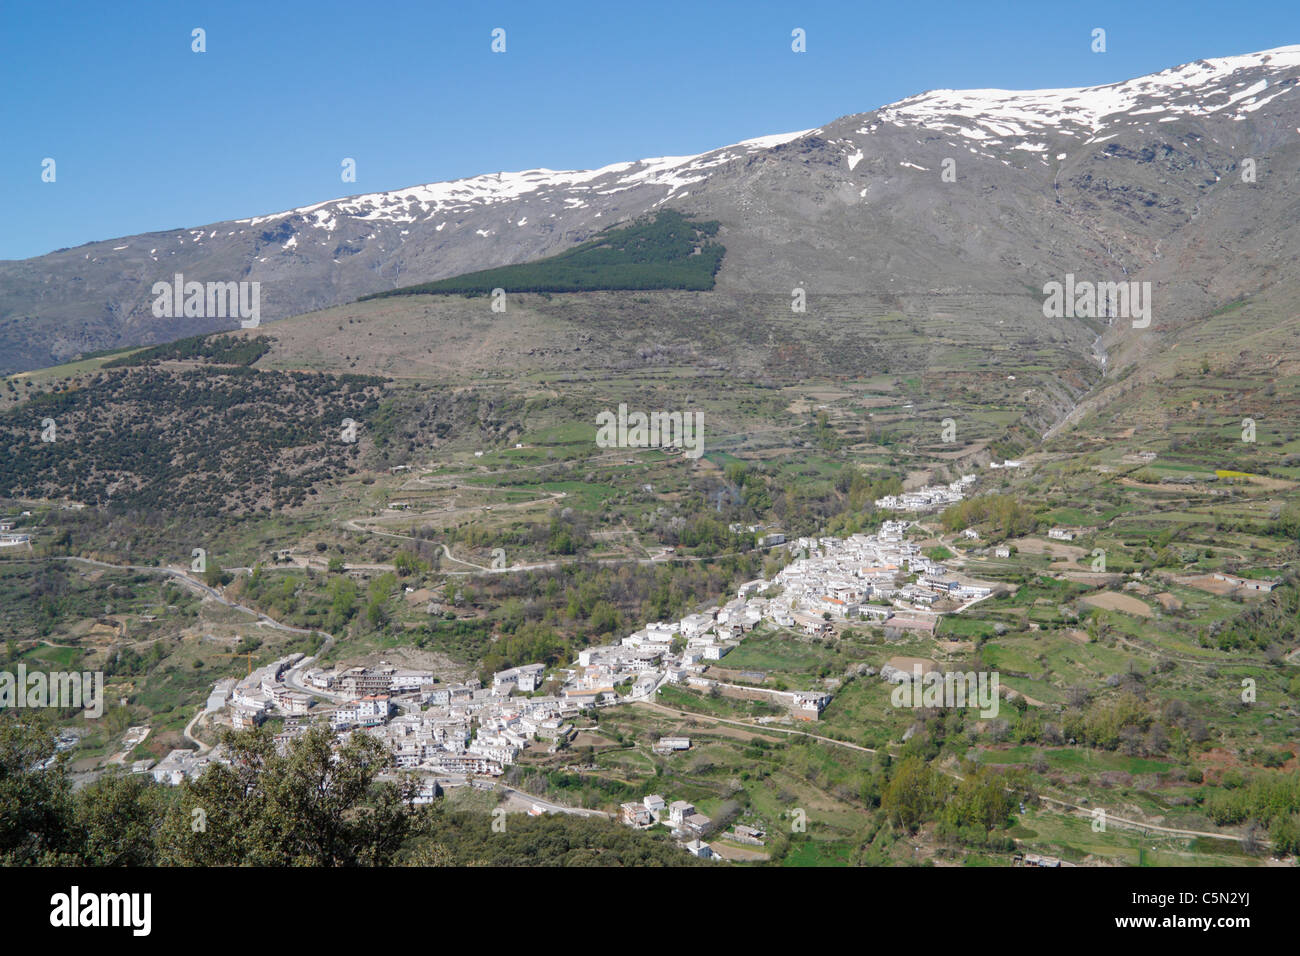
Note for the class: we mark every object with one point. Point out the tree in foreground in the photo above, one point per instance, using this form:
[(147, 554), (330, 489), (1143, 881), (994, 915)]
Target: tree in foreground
[(35, 795), (314, 805)]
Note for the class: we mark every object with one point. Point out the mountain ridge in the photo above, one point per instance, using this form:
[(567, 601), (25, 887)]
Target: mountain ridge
[(836, 208)]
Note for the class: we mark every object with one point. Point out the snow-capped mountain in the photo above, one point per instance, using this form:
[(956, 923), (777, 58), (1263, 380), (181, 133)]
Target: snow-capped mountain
[(443, 203), (990, 192), (1233, 86)]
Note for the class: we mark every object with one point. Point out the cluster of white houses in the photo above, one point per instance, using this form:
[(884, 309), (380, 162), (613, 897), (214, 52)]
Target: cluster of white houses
[(469, 729), (680, 816), (262, 692), (466, 729), (449, 729), (9, 538), (1247, 584), (929, 498), (861, 577), (444, 729), (180, 764), (679, 652), (686, 823)]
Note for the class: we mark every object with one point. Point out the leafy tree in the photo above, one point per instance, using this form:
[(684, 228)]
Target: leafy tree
[(980, 799), (1006, 514), (214, 575), (315, 805), (1285, 834), (35, 796), (914, 791), (117, 820), (407, 563)]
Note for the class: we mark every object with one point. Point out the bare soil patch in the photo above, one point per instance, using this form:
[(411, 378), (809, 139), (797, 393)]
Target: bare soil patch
[(1112, 601)]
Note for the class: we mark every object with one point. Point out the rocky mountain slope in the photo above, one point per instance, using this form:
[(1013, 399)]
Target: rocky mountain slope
[(1138, 180)]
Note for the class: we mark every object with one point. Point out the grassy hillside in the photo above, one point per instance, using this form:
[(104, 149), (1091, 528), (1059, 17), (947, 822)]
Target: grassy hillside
[(666, 251)]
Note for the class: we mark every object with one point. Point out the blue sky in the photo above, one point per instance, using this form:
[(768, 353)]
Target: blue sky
[(148, 135)]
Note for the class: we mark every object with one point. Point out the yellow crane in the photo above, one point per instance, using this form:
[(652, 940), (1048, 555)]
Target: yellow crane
[(248, 655)]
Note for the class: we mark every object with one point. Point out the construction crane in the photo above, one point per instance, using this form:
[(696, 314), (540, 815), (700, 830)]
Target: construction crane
[(248, 655)]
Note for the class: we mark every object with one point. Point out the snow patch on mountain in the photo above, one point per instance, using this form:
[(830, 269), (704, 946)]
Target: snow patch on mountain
[(1195, 89), (435, 200)]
